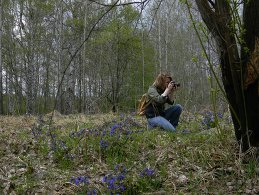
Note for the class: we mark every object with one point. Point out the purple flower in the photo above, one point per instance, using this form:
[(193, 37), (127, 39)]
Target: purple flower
[(113, 128), (104, 144), (147, 172), (115, 182), (111, 184), (120, 177), (104, 179), (80, 179), (220, 115), (122, 188), (76, 181), (103, 133), (92, 192)]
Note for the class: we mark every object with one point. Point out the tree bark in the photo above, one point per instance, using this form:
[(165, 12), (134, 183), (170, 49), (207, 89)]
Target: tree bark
[(217, 17), (251, 66), (1, 65)]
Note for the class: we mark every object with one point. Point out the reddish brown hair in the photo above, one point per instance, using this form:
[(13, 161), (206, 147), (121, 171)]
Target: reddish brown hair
[(160, 80)]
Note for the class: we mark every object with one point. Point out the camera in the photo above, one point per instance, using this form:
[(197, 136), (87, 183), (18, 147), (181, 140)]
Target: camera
[(175, 84)]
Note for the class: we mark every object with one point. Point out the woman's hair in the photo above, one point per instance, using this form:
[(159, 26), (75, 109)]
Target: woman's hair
[(160, 80)]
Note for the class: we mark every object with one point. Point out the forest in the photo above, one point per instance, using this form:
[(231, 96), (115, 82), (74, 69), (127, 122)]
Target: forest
[(72, 73), (83, 57)]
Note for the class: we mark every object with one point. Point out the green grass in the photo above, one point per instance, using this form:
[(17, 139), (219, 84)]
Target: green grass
[(117, 154)]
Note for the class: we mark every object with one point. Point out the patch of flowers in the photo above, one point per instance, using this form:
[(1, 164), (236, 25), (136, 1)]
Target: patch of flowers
[(147, 172), (79, 180), (115, 181), (104, 144), (210, 120), (84, 181)]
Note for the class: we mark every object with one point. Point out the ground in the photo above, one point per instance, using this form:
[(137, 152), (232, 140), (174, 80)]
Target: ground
[(117, 154)]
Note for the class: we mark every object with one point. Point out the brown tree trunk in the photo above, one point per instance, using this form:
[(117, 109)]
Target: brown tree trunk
[(1, 65), (251, 66), (244, 103)]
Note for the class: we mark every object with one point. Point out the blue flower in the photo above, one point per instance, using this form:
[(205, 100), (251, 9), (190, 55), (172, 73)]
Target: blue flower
[(147, 172), (120, 177), (104, 133), (76, 181), (104, 144), (80, 179), (115, 182), (120, 168), (220, 115), (122, 188), (113, 128), (209, 120), (104, 179), (111, 184), (92, 192)]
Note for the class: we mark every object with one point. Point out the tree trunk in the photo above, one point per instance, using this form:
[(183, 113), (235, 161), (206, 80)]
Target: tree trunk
[(159, 42), (59, 37), (217, 16), (1, 65), (251, 65), (70, 90)]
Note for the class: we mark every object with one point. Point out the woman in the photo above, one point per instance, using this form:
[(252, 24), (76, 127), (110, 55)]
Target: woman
[(160, 93)]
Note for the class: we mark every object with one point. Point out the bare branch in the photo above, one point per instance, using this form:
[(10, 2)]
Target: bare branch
[(75, 54), (120, 4), (212, 3)]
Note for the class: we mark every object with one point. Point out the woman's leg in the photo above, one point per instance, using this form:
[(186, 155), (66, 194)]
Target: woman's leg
[(160, 121), (173, 113)]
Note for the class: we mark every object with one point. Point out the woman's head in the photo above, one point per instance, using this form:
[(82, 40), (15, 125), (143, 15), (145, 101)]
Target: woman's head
[(162, 80)]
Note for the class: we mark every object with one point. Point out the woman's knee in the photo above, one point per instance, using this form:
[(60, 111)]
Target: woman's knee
[(179, 108)]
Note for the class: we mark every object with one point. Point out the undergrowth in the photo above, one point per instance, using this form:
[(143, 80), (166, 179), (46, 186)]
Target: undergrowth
[(117, 154)]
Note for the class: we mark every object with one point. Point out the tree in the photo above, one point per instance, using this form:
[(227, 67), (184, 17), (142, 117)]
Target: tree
[(239, 61), (1, 68)]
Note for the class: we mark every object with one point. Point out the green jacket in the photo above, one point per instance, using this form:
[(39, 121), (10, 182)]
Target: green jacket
[(157, 107)]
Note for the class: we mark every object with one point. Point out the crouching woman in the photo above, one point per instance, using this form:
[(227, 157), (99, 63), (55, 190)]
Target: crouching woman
[(160, 94)]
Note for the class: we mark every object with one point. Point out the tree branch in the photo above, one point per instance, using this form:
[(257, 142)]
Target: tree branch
[(212, 3), (120, 4)]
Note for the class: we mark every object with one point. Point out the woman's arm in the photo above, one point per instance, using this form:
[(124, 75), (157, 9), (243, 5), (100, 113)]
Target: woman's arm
[(153, 94)]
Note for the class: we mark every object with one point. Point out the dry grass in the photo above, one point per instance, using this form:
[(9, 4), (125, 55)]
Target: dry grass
[(202, 162)]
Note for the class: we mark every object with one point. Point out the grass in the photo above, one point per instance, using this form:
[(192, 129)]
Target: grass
[(116, 154)]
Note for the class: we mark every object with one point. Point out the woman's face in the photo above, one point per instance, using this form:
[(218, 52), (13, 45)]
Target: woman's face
[(167, 81)]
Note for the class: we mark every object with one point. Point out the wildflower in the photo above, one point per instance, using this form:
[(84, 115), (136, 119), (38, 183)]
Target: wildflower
[(104, 144), (115, 182), (62, 144), (76, 181), (122, 188), (209, 120), (120, 168), (147, 172), (220, 115), (113, 129), (128, 132), (120, 177), (111, 183), (104, 179), (104, 133), (80, 132), (80, 179), (92, 192)]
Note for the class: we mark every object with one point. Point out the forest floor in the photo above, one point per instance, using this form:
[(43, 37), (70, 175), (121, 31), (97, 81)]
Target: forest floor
[(117, 154)]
